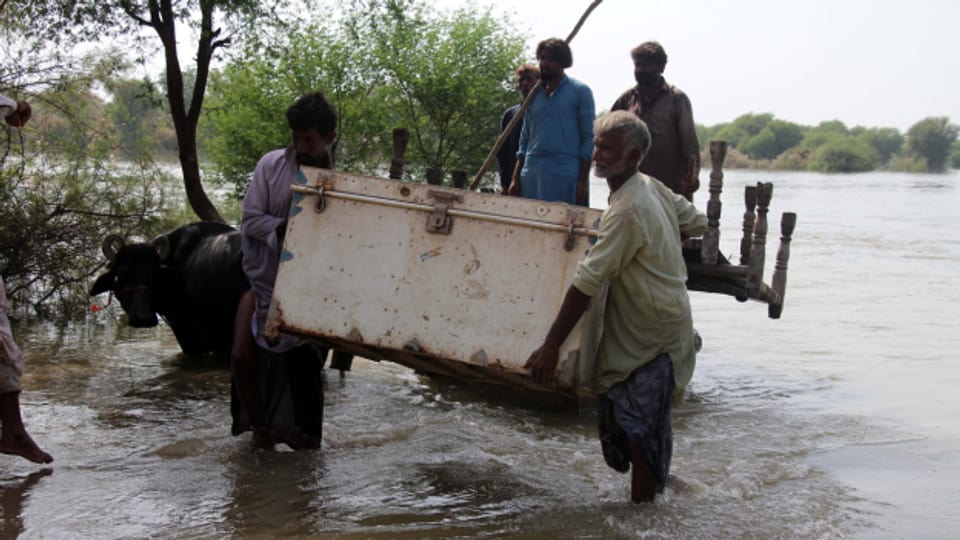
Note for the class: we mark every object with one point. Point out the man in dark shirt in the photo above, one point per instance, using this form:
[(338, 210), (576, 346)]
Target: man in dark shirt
[(525, 78), (674, 156)]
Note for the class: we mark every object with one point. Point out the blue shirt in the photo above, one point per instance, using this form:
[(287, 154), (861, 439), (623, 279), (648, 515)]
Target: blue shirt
[(557, 136)]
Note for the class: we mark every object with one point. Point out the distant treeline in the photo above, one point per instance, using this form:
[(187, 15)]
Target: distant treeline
[(136, 117), (762, 141)]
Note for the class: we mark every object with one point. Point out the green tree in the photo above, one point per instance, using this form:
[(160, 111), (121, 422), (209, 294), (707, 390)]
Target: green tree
[(886, 142), (391, 64), (60, 110), (734, 135), (448, 71), (823, 133), (248, 97), (136, 113), (705, 134), (843, 154), (931, 139), (774, 138), (743, 128), (60, 195), (213, 22), (833, 126)]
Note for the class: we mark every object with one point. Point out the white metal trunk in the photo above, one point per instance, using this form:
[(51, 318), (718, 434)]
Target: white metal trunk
[(442, 280)]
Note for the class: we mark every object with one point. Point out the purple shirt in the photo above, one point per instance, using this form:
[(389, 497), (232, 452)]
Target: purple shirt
[(265, 209)]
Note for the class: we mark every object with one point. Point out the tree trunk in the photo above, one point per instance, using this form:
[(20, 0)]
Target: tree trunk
[(192, 183), (184, 121)]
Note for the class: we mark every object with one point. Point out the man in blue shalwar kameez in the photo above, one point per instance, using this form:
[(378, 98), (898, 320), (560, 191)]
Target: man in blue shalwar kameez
[(553, 161)]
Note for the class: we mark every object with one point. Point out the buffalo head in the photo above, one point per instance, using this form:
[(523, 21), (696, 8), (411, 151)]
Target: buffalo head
[(133, 276)]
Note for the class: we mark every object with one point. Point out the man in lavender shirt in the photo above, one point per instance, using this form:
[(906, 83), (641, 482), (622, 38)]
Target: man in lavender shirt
[(278, 387)]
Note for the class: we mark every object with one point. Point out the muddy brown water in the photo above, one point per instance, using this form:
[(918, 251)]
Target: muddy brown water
[(835, 421)]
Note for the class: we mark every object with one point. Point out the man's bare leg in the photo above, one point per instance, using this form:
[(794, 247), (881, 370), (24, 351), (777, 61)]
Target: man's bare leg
[(643, 483), (243, 357), (15, 440)]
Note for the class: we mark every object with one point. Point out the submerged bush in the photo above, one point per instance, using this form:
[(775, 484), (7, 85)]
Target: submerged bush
[(843, 155)]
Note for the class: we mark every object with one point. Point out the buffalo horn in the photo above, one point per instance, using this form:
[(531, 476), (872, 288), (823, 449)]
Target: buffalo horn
[(111, 246)]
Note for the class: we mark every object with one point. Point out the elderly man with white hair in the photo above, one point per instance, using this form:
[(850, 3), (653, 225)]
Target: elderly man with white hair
[(646, 355)]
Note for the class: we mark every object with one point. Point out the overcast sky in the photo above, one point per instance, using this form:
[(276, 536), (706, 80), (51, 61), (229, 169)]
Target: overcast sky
[(876, 63)]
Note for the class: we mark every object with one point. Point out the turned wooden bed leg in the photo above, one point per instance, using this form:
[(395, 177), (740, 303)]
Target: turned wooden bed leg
[(779, 284), (459, 178), (749, 218), (757, 256), (400, 139), (710, 243)]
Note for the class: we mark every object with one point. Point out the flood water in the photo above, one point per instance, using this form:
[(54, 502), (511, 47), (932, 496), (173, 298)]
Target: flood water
[(838, 420)]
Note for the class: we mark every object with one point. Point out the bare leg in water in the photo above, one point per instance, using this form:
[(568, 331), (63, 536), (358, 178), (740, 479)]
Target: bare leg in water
[(643, 483), (243, 359), (15, 440)]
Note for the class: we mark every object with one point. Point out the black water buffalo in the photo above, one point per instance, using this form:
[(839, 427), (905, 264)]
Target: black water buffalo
[(191, 276)]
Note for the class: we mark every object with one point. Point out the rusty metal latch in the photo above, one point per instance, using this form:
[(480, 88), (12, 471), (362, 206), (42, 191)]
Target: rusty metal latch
[(568, 243), (439, 221), (321, 203), (576, 220)]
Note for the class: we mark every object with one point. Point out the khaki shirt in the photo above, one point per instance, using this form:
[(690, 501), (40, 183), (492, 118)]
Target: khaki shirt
[(648, 311), (669, 117)]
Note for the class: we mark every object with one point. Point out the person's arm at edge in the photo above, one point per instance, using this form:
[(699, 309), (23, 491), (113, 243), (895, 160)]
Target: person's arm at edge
[(615, 246), (514, 188), (583, 183), (543, 362), (691, 220), (503, 157), (586, 114), (689, 146), (691, 181)]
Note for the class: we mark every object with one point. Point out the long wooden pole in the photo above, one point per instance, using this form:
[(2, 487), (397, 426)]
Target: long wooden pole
[(526, 103)]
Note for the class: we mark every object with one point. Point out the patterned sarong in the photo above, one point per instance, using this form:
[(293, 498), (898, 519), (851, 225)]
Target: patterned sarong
[(639, 408)]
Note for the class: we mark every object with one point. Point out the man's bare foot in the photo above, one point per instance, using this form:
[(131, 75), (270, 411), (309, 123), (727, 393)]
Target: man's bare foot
[(21, 444)]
